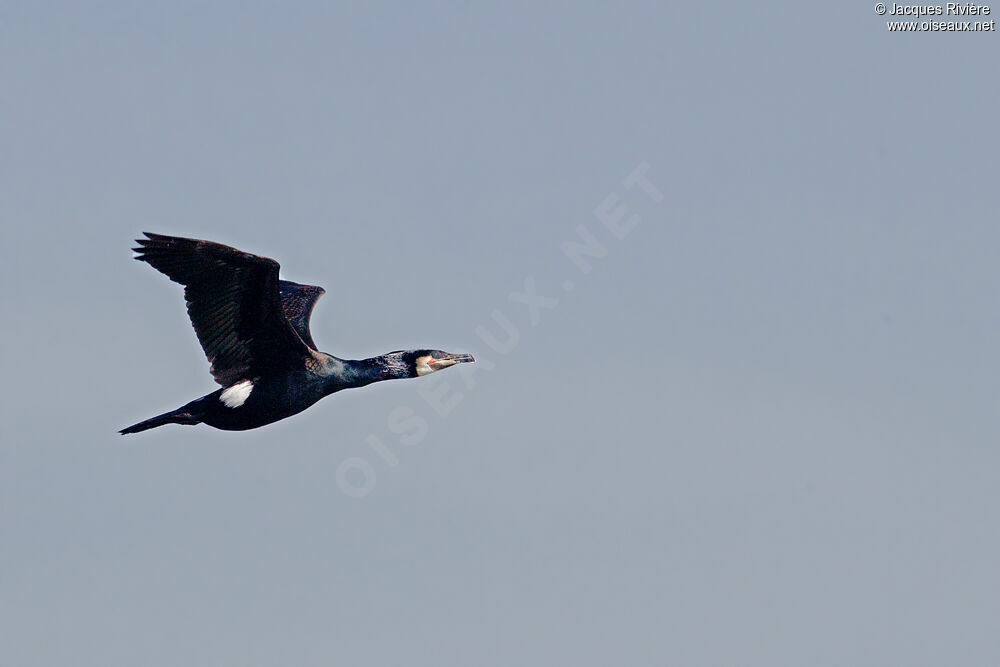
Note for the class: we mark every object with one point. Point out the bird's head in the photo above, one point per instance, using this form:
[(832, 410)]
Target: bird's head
[(425, 362)]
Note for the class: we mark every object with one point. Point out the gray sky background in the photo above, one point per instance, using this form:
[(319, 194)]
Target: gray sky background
[(761, 431)]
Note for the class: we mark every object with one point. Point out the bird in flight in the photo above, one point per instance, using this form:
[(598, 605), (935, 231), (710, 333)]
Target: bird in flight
[(254, 329)]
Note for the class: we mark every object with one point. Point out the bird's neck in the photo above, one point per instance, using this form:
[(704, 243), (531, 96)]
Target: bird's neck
[(347, 373)]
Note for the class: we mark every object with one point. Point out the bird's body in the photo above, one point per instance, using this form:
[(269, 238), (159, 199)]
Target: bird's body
[(253, 404), (254, 329)]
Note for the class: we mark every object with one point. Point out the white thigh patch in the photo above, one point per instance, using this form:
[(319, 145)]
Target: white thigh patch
[(237, 395)]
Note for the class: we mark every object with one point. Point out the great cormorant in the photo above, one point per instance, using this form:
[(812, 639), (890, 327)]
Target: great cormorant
[(254, 329)]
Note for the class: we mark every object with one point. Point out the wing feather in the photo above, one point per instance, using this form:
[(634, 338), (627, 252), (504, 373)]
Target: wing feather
[(298, 302), (234, 304)]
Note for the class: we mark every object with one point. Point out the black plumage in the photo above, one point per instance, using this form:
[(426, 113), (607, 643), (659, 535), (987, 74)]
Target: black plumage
[(254, 329), (298, 301)]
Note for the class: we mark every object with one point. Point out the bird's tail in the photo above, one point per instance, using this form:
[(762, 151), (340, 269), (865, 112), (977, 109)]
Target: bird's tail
[(179, 416)]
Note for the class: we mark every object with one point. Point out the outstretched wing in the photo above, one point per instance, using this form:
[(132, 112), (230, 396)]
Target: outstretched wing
[(234, 304), (298, 302)]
